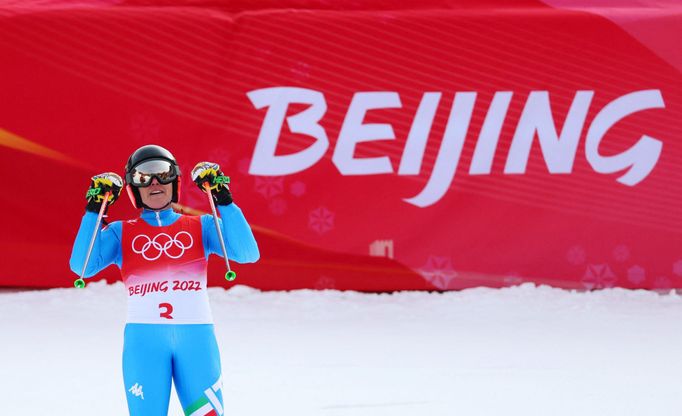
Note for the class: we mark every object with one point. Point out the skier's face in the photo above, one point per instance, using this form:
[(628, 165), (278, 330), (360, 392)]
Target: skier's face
[(156, 196)]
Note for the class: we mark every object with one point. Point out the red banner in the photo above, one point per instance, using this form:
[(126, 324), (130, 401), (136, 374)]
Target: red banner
[(376, 147)]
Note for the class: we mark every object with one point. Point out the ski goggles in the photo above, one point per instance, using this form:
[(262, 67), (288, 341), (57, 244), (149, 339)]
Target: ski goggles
[(142, 175)]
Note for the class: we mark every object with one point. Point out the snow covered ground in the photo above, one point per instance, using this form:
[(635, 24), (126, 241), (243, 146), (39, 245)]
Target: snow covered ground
[(519, 351)]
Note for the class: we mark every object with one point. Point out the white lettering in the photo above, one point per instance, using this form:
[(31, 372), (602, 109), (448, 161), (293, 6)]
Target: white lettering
[(450, 151), (558, 149), (486, 145), (354, 131), (277, 99), (640, 158), (413, 154), (559, 152)]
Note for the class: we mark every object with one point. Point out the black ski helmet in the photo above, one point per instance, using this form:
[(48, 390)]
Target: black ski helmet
[(143, 154)]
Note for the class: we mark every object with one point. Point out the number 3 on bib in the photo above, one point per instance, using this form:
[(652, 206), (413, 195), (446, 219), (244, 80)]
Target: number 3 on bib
[(166, 310)]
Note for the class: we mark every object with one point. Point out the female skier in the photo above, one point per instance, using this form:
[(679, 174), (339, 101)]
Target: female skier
[(163, 257)]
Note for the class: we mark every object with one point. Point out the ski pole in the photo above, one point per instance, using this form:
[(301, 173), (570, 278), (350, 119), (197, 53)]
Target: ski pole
[(230, 275), (80, 283)]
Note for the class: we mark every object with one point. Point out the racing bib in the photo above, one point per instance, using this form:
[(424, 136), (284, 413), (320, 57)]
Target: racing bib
[(164, 271)]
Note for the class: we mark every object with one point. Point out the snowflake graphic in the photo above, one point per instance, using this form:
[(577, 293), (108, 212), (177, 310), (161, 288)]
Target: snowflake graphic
[(576, 255), (301, 71), (386, 18), (439, 271), (677, 268), (636, 275), (297, 189), (621, 253), (513, 279), (278, 206), (243, 166), (144, 128), (599, 276), (663, 284), (221, 156), (263, 54), (269, 186), (321, 220), (325, 282)]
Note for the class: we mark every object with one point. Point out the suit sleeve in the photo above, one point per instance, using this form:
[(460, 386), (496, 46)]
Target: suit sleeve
[(237, 235), (105, 251)]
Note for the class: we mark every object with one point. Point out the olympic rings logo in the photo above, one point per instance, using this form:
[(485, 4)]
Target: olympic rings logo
[(152, 248)]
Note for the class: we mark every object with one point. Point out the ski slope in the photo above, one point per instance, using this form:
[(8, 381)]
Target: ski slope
[(524, 350)]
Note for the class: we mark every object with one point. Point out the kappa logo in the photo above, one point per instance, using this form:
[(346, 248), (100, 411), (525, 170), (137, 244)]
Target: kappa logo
[(152, 248), (136, 390)]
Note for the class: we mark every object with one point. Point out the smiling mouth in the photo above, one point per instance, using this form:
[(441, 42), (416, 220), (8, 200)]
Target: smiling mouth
[(156, 193)]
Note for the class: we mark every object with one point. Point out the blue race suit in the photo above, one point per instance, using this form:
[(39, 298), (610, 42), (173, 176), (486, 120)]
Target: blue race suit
[(169, 331)]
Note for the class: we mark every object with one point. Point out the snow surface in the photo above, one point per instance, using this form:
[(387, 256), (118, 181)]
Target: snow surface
[(524, 350)]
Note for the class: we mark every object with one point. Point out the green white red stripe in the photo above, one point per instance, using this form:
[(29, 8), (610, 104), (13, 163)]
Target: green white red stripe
[(201, 407), (214, 401), (209, 404)]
